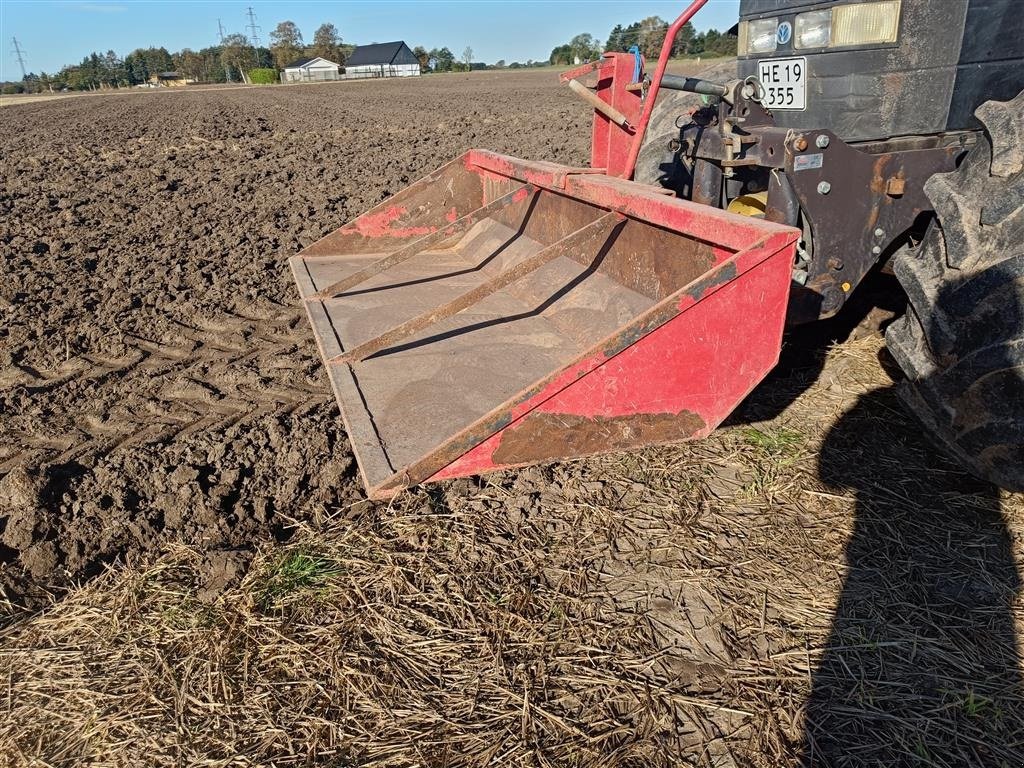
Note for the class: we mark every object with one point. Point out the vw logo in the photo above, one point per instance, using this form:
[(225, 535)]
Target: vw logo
[(784, 33)]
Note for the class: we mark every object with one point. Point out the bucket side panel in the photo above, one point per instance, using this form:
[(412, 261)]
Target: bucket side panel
[(423, 208), (677, 383)]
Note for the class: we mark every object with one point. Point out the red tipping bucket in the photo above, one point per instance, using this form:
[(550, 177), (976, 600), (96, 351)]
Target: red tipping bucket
[(501, 312)]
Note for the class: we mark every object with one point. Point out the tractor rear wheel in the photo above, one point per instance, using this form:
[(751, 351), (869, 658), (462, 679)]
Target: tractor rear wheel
[(658, 162), (961, 342)]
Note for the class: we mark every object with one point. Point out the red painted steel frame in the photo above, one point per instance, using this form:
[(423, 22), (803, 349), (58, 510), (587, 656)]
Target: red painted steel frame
[(609, 143), (672, 370), (652, 92)]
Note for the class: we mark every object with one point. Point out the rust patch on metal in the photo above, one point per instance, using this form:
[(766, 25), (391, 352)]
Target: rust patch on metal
[(547, 436), (895, 186), (720, 276)]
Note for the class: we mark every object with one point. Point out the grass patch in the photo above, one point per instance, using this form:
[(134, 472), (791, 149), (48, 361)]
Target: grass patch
[(777, 441), (293, 573), (974, 705), (771, 454)]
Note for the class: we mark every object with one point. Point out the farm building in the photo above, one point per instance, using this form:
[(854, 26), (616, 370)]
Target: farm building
[(169, 79), (311, 70), (382, 60)]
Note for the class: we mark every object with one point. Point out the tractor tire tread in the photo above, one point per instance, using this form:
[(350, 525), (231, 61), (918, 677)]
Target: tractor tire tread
[(961, 342)]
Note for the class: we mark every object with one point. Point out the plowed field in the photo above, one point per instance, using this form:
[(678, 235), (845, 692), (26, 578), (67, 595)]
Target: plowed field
[(190, 573)]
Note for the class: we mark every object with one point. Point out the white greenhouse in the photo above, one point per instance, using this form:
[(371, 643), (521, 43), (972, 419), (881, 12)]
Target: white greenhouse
[(314, 70)]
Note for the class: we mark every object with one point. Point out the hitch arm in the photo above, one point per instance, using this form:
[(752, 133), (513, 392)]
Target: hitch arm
[(659, 74), (601, 106)]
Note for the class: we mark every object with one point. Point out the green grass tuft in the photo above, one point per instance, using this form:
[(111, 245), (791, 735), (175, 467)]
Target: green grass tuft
[(295, 572), (777, 441)]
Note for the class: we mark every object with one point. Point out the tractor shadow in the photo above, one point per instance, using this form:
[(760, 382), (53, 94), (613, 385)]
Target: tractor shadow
[(922, 665)]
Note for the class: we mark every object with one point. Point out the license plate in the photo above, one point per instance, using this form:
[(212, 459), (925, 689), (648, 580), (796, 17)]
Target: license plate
[(783, 81)]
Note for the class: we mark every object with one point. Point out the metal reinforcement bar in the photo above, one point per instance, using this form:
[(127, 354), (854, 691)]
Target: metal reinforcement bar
[(412, 249), (597, 230)]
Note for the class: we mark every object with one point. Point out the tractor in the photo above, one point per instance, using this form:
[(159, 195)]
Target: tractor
[(502, 312)]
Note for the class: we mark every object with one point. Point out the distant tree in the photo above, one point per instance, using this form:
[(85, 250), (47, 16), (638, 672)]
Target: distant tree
[(135, 67), (717, 43), (422, 56), (157, 60), (711, 38), (561, 54), (327, 43), (444, 59), (467, 56), (265, 58), (585, 47), (650, 35), (112, 72), (499, 64), (236, 55), (630, 36), (286, 43), (190, 64), (44, 82), (142, 63), (80, 78), (213, 66), (616, 39), (684, 40)]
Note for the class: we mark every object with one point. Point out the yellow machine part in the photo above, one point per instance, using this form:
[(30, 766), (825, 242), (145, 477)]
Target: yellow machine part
[(750, 205)]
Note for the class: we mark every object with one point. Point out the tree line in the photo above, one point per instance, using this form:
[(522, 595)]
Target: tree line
[(648, 35), (236, 56), (231, 61), (228, 62)]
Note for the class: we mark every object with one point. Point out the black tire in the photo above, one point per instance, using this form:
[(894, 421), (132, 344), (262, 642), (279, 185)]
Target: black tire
[(657, 163), (961, 342)]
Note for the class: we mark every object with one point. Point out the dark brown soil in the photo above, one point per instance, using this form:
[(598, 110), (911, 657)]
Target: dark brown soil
[(157, 380), (812, 585)]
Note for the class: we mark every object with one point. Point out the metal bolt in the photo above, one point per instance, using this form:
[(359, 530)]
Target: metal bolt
[(876, 250), (824, 187), (822, 141), (800, 276), (800, 144), (879, 232)]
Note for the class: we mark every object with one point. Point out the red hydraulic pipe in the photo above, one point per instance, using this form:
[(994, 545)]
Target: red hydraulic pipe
[(652, 92)]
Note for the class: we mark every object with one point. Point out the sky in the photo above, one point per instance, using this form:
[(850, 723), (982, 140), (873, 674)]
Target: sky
[(53, 33)]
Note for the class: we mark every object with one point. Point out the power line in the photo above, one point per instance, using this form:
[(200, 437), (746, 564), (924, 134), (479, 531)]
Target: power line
[(253, 28), (254, 36), (19, 54)]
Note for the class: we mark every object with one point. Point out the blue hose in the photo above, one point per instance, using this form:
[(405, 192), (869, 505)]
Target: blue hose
[(637, 62)]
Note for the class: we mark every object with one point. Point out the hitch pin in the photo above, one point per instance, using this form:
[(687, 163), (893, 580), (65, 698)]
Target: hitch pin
[(601, 106)]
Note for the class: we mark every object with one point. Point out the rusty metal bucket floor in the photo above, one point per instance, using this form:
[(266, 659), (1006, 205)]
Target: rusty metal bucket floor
[(440, 311)]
